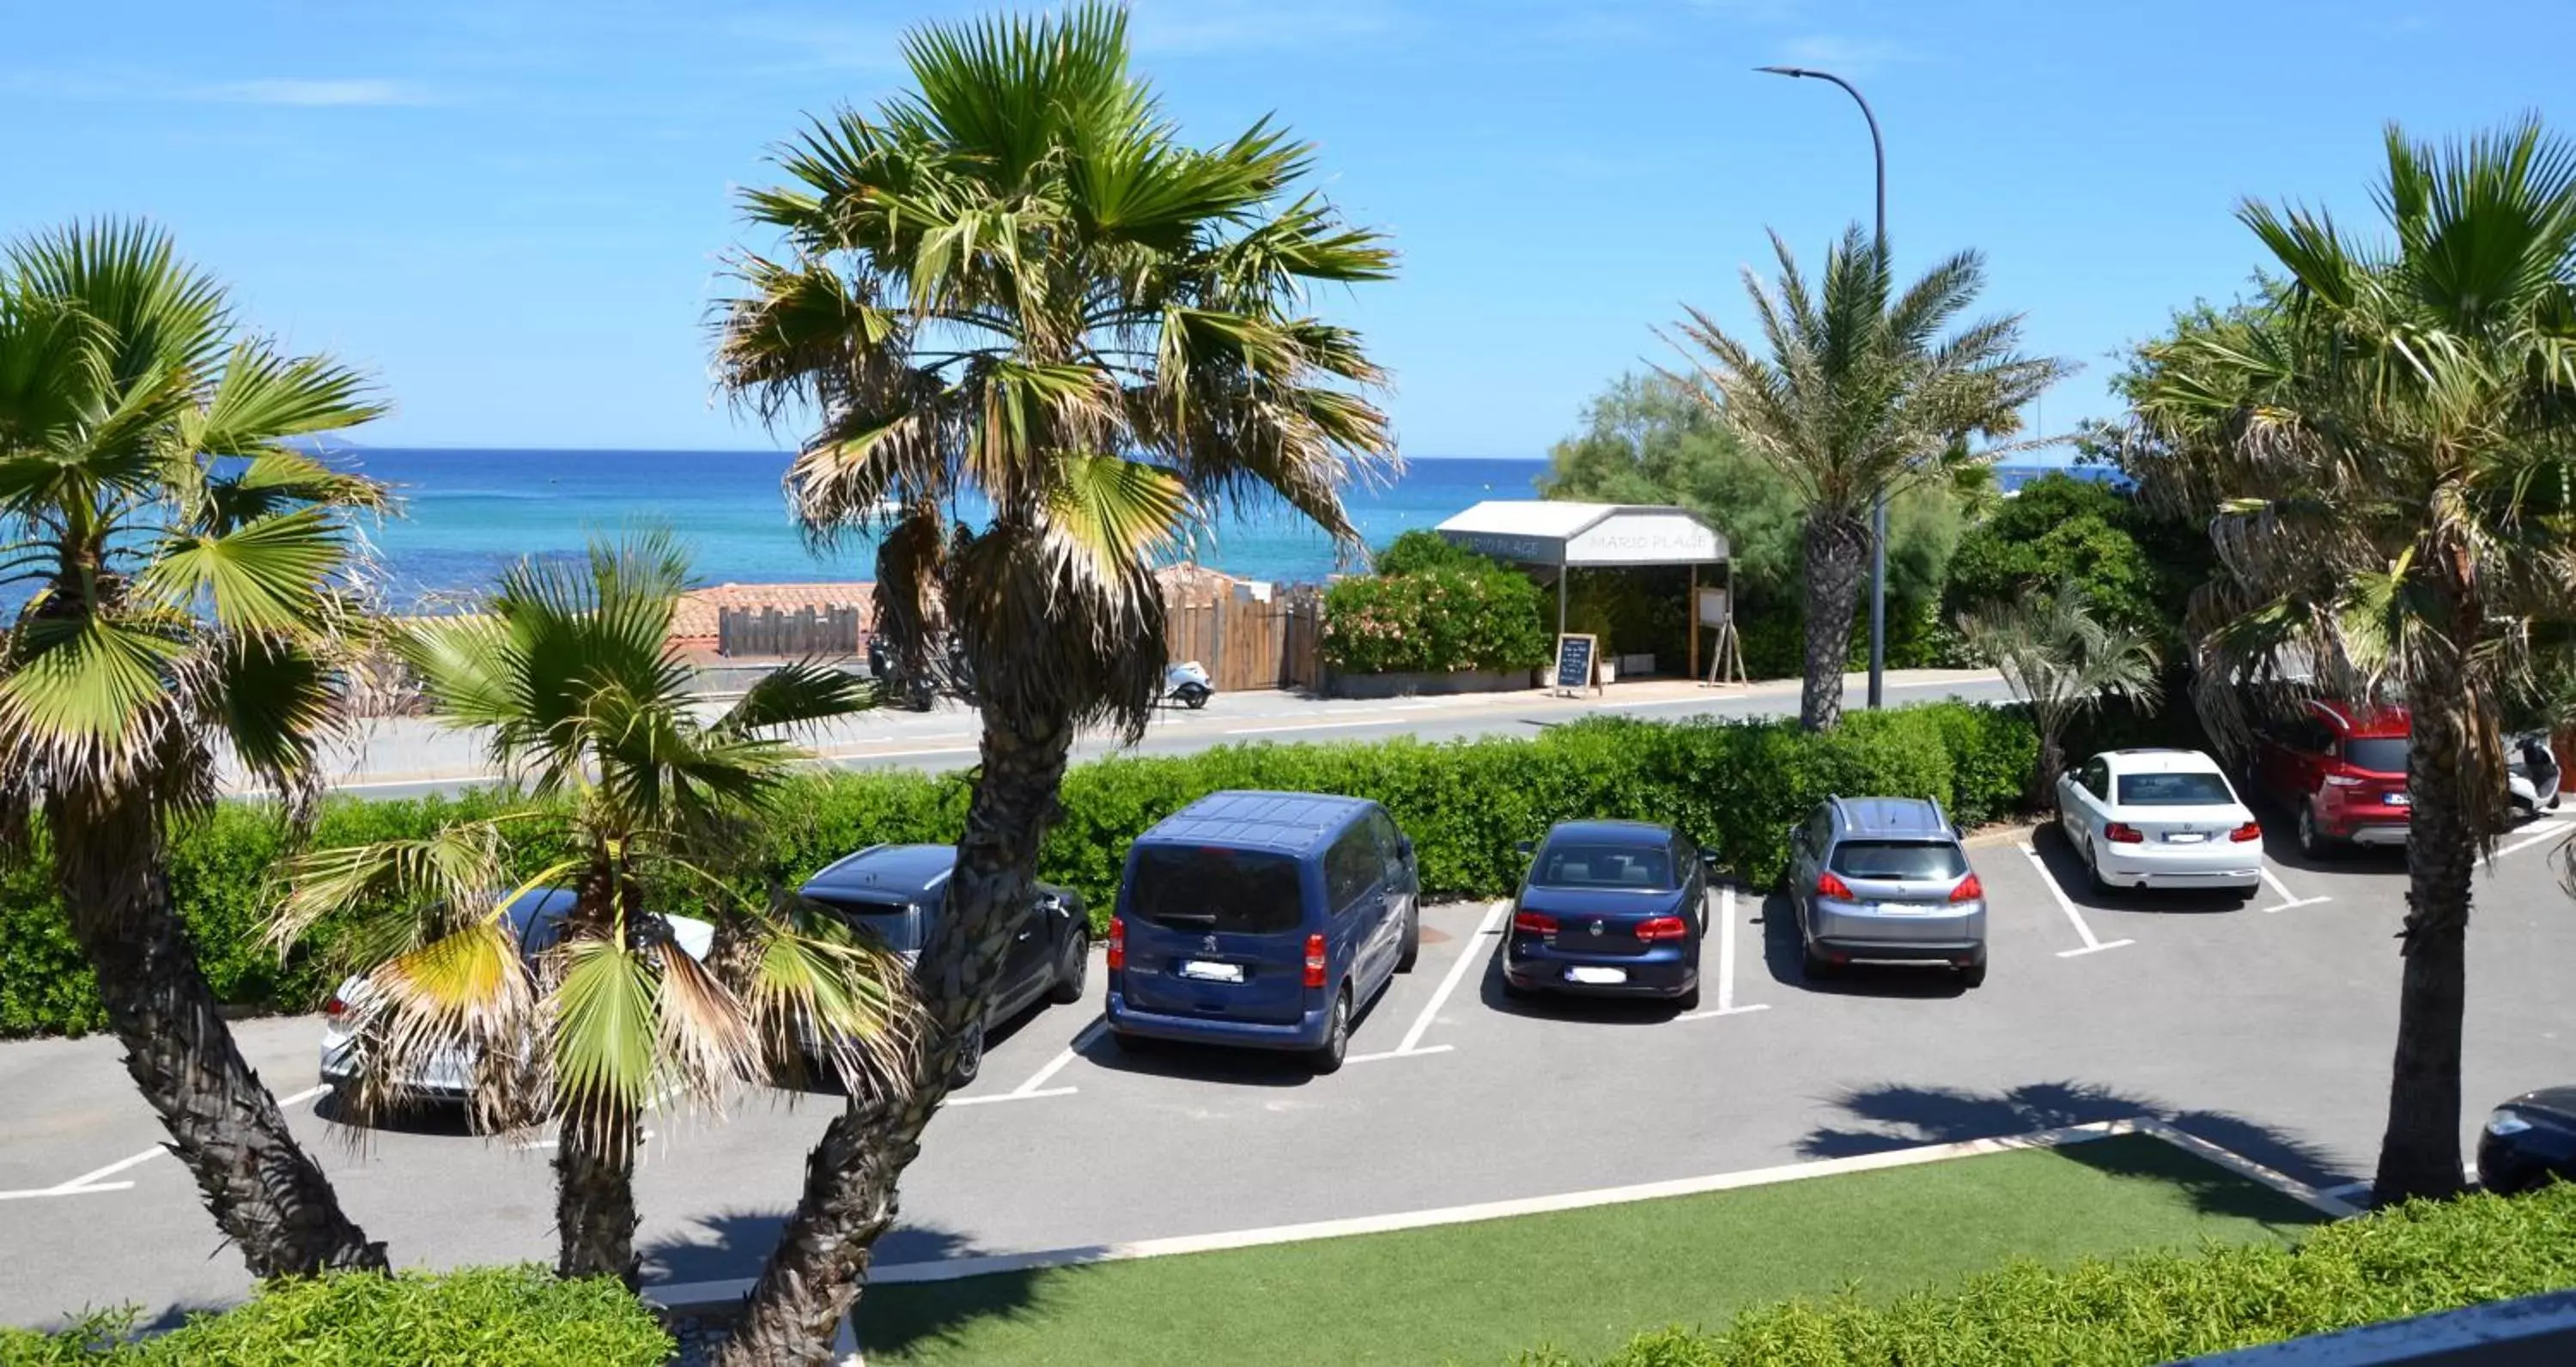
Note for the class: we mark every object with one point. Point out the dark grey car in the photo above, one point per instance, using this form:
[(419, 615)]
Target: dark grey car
[(1884, 878)]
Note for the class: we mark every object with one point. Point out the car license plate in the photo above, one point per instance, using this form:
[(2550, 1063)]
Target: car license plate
[(1596, 977), (2397, 799), (1206, 972), (2184, 837)]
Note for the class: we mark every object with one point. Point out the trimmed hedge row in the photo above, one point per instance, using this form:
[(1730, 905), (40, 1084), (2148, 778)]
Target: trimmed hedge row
[(1734, 785), (2159, 1307), (490, 1316)]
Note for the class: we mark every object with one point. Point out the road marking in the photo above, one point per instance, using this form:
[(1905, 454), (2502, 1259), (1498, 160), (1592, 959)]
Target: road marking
[(2547, 830), (1064, 1059), (2067, 904), (92, 1180), (642, 1137), (2289, 899), (1009, 1096), (1304, 726), (1725, 962), (66, 1189), (1401, 1053), (1469, 953)]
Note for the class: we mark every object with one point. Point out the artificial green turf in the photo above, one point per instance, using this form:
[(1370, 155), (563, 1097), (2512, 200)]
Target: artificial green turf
[(1584, 1280)]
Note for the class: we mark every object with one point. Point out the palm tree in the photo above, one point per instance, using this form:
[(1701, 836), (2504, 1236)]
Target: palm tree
[(2385, 448), (1050, 337), (1862, 395), (179, 574), (634, 804), (2063, 662)]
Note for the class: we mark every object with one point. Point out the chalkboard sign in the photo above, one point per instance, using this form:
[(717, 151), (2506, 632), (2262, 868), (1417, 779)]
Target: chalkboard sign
[(1573, 662)]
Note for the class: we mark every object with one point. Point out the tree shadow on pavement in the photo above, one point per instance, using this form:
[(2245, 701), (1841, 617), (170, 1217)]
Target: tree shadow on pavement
[(1898, 1116), (734, 1245)]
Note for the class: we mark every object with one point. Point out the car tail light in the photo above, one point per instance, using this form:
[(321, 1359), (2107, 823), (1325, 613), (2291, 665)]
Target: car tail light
[(1117, 943), (2346, 780), (2122, 833), (335, 1008), (1969, 890), (2251, 830), (1314, 961), (1533, 923), (1656, 928), (1827, 885)]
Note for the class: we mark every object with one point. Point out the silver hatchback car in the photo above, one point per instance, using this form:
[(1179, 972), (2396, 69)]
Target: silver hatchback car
[(1883, 878)]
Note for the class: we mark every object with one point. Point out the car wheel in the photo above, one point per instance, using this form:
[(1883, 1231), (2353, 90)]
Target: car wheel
[(2313, 841), (1195, 699), (1337, 1037), (970, 1059), (1412, 940), (2093, 870), (1974, 975), (1073, 970), (1816, 965)]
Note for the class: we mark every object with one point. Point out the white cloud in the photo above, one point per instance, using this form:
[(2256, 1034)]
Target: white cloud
[(325, 93)]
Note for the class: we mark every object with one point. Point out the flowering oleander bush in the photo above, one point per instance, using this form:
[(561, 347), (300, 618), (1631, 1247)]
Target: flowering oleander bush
[(1434, 620)]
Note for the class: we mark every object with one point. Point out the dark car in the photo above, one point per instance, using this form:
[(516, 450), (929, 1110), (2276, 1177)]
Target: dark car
[(898, 893), (1609, 908), (2528, 1141)]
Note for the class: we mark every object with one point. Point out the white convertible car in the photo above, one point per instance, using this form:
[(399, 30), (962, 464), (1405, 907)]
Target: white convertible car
[(2160, 819)]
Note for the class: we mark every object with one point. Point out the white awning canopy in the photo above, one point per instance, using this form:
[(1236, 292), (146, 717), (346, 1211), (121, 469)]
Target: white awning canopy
[(1585, 535)]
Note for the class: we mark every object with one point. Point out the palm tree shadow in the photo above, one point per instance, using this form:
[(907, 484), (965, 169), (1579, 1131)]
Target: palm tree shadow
[(735, 1244), (1900, 1116)]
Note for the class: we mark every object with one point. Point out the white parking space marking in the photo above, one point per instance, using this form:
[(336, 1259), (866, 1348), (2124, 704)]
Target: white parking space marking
[(2067, 904), (1401, 1053), (95, 1179), (1725, 963), (1009, 1096), (1063, 1059), (1470, 953), (2534, 835), (2289, 899)]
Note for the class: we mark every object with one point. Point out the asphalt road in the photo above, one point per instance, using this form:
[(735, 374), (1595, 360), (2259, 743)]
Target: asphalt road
[(412, 757), (2265, 1028)]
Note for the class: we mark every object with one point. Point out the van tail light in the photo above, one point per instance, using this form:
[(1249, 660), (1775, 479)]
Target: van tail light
[(1969, 890), (1533, 923), (1831, 886), (2251, 830), (2122, 833), (1117, 943), (1314, 961), (1655, 928), (335, 1008)]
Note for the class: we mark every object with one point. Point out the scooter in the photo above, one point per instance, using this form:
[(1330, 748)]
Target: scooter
[(1188, 684), (2531, 773)]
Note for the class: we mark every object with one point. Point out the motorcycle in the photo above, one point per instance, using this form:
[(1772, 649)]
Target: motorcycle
[(1189, 685), (2531, 773)]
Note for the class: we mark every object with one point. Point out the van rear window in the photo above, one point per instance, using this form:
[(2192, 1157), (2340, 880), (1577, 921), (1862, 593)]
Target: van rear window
[(1213, 890)]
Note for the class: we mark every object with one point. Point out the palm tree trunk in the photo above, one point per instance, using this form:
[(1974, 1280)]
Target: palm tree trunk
[(850, 1197), (267, 1196), (1837, 550), (595, 1195), (2419, 1154)]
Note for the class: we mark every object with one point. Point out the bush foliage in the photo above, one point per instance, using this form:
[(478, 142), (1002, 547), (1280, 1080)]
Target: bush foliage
[(489, 1316), (2160, 1307), (1735, 786), (1450, 610)]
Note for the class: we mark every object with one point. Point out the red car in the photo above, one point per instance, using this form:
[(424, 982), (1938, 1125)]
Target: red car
[(2341, 770)]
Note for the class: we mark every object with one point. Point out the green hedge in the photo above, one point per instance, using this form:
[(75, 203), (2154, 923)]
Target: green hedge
[(490, 1316), (2157, 1307), (1733, 785)]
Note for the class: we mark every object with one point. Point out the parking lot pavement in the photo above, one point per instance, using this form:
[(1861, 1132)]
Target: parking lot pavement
[(2265, 1031)]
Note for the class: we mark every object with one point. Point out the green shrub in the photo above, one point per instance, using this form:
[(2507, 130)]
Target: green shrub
[(1435, 620), (489, 1316), (1733, 785), (1422, 549), (2158, 1307)]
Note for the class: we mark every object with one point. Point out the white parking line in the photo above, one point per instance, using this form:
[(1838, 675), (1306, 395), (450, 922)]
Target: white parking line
[(2533, 835), (1400, 1053), (1725, 963), (1008, 1096), (92, 1181), (1065, 1058), (2289, 899), (1473, 952), (67, 1189), (1304, 726), (2067, 904)]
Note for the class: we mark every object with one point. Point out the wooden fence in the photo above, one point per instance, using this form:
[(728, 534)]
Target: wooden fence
[(1246, 642), (767, 631)]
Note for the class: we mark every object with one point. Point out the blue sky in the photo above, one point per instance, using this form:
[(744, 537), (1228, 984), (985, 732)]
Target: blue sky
[(512, 211)]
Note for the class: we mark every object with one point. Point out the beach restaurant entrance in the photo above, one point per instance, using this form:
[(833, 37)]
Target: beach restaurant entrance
[(1552, 540)]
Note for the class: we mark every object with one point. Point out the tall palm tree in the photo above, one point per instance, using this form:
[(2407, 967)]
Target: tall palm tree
[(1861, 395), (636, 806), (179, 580), (1051, 337), (2386, 449), (2064, 662)]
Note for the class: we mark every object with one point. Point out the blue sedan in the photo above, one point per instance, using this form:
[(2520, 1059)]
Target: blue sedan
[(1609, 908)]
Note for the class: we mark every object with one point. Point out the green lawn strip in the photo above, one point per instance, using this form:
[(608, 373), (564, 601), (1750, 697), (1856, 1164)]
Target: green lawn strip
[(1582, 1280)]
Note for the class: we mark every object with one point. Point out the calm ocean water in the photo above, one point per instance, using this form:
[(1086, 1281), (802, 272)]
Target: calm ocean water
[(472, 513)]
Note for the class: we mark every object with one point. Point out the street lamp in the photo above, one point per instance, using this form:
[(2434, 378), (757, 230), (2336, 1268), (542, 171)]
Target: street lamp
[(1878, 506)]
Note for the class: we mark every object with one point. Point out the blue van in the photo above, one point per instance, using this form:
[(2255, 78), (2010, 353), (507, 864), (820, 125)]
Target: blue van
[(1263, 921)]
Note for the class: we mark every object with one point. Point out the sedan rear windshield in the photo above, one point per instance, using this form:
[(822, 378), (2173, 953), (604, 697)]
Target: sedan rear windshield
[(1604, 866), (1213, 890), (2174, 790), (899, 924), (1910, 860), (2376, 754)]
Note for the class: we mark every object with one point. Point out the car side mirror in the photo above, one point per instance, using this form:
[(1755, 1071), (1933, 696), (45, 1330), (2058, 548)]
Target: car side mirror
[(1526, 846), (1708, 859), (1404, 846)]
